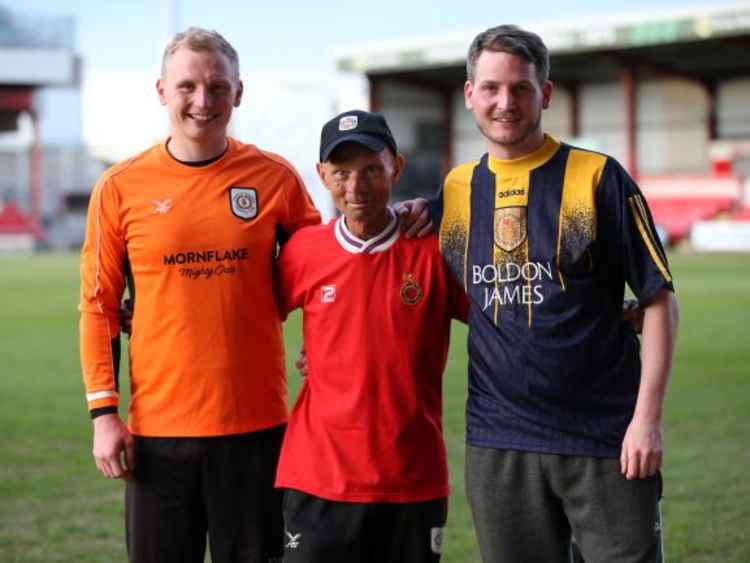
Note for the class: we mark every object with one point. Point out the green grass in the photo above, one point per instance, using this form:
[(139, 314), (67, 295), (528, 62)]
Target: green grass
[(54, 506)]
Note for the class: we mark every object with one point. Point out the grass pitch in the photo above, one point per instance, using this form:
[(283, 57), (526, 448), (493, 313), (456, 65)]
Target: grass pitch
[(54, 506)]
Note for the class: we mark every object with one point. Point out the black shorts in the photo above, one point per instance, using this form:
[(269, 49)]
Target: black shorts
[(324, 531), (187, 488)]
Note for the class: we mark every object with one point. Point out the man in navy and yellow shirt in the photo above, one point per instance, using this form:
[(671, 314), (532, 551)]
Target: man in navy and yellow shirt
[(564, 409)]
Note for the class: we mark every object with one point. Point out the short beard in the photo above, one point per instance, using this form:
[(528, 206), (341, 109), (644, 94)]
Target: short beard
[(514, 141)]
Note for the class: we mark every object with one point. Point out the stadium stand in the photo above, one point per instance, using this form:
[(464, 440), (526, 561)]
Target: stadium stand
[(15, 221), (18, 231), (742, 214), (677, 215), (677, 202)]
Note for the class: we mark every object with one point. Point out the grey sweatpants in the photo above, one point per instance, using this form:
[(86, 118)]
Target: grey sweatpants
[(526, 506)]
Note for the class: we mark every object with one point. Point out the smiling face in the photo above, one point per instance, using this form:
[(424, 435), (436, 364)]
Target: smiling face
[(200, 89), (507, 100), (360, 182)]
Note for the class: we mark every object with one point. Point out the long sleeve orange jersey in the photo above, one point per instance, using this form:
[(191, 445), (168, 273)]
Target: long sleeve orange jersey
[(206, 352)]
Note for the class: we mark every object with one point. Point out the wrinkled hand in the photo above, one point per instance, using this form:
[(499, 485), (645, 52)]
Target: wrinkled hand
[(641, 455), (415, 217), (125, 316), (633, 313), (111, 441), (301, 362)]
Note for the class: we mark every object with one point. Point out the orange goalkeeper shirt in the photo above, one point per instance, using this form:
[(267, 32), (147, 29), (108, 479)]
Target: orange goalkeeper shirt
[(206, 354)]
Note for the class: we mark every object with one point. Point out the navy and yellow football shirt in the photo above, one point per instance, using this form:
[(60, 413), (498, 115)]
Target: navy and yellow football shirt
[(544, 246)]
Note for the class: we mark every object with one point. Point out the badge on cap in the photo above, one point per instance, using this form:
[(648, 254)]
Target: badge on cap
[(348, 122)]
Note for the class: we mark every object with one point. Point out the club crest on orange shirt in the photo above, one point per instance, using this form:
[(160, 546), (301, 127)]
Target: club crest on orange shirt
[(411, 291), (510, 227), (243, 202)]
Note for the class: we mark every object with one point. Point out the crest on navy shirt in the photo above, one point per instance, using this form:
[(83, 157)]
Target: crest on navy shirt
[(411, 291), (510, 227), (244, 202)]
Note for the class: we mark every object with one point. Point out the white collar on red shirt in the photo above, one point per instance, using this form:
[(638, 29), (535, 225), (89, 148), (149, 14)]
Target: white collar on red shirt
[(382, 241)]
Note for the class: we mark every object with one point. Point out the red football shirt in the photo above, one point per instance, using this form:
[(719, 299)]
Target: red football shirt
[(367, 426)]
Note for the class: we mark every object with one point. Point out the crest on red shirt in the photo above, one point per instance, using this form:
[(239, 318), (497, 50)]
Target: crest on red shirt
[(243, 202), (328, 294), (411, 291), (510, 227)]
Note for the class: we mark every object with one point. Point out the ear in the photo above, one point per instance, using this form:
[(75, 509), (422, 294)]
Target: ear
[(238, 96), (546, 93), (322, 174), (468, 91), (398, 167), (160, 91)]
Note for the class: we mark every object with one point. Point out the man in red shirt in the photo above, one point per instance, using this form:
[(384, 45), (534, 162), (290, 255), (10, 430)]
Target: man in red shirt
[(363, 461)]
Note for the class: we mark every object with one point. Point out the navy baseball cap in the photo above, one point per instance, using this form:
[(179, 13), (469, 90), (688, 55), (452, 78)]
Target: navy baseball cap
[(363, 127)]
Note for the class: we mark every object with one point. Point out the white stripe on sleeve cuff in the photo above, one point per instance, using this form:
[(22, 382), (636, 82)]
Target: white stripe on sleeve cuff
[(101, 395)]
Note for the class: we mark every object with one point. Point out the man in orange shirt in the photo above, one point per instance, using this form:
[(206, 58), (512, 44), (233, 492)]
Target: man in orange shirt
[(192, 225)]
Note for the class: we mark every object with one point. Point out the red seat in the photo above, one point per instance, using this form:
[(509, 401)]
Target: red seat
[(676, 215), (13, 221), (741, 214)]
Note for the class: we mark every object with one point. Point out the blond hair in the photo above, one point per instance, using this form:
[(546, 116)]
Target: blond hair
[(199, 39)]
